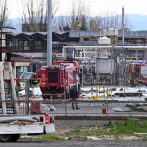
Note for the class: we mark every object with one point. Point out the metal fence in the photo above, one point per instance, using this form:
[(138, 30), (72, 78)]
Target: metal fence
[(85, 107)]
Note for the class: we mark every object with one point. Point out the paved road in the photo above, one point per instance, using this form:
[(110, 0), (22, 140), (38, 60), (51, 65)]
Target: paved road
[(91, 109), (77, 144)]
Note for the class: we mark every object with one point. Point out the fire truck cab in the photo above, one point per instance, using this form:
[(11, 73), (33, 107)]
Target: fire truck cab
[(53, 77), (136, 70)]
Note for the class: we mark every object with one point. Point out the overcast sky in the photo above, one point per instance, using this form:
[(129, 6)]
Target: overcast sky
[(97, 6)]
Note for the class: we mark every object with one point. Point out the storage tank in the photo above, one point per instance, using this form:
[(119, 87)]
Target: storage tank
[(103, 65), (112, 32), (104, 40)]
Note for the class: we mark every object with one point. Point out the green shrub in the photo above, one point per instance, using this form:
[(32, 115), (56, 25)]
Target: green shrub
[(130, 128), (76, 131)]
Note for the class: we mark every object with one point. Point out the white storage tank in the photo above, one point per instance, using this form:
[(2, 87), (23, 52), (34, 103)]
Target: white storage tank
[(103, 65), (112, 32), (104, 40)]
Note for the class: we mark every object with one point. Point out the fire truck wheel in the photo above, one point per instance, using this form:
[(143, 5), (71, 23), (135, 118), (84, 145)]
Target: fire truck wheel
[(15, 137), (5, 137)]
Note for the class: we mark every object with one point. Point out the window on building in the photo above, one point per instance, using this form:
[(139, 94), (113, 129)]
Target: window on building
[(20, 45), (38, 44), (26, 45)]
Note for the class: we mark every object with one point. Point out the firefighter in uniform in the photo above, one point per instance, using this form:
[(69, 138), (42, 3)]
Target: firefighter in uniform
[(17, 81), (139, 81), (34, 82), (136, 82)]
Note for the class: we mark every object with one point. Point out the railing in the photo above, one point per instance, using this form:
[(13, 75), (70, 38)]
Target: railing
[(86, 107)]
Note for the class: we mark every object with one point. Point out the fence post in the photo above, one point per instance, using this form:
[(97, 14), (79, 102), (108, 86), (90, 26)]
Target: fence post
[(27, 97), (107, 100), (13, 87), (111, 94), (139, 95), (2, 89), (124, 94), (65, 96)]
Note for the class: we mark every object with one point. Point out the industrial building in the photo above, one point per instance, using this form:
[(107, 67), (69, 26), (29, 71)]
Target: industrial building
[(33, 46)]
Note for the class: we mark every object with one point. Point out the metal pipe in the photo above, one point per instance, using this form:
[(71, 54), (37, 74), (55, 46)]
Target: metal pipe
[(15, 72), (2, 89), (65, 97), (82, 58), (78, 101), (123, 26), (82, 76), (145, 55), (49, 34), (13, 87), (111, 65), (136, 55), (114, 70), (119, 66), (95, 48), (125, 69), (107, 100), (122, 45), (27, 97)]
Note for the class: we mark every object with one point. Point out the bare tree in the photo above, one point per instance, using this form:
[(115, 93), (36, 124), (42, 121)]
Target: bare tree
[(111, 19), (34, 15), (82, 14), (77, 17), (4, 13)]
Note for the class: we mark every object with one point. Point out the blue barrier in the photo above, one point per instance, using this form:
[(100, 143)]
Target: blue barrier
[(9, 96)]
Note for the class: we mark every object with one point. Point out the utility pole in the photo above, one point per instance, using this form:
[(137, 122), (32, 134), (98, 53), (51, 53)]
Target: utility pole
[(49, 34), (122, 45)]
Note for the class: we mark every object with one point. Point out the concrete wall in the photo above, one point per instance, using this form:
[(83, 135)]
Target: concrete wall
[(90, 122)]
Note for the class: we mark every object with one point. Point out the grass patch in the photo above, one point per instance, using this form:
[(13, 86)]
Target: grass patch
[(117, 130), (91, 132), (76, 131), (84, 132), (49, 137), (129, 128)]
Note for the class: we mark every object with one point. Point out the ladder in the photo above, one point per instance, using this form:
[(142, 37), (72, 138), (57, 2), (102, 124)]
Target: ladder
[(62, 75)]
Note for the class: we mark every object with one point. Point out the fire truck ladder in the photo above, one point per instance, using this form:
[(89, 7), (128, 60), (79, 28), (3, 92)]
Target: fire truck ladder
[(62, 77)]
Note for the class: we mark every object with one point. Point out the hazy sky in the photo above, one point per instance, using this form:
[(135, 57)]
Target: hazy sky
[(97, 6)]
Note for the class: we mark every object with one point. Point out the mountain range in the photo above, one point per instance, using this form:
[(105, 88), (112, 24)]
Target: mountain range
[(138, 22)]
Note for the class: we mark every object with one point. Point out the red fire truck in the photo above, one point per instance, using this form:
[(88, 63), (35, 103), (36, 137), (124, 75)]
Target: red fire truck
[(136, 70), (53, 77)]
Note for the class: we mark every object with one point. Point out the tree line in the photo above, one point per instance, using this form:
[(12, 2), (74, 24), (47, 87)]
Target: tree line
[(33, 17)]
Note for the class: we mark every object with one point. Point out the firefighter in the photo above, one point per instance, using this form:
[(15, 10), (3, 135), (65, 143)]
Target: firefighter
[(77, 108), (17, 81), (139, 81), (34, 82), (74, 95), (136, 82)]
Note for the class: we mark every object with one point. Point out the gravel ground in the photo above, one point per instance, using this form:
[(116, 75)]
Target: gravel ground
[(78, 144)]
